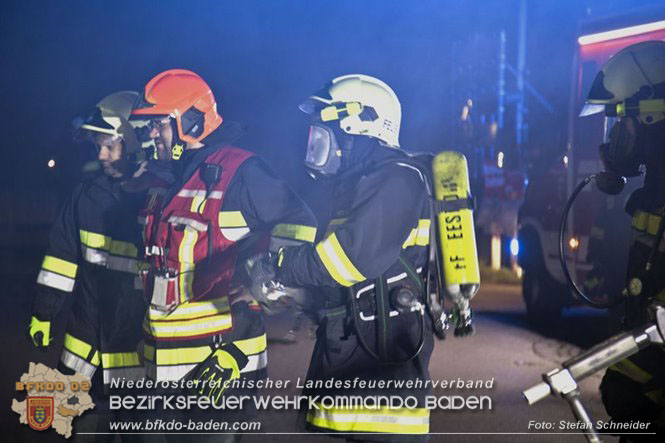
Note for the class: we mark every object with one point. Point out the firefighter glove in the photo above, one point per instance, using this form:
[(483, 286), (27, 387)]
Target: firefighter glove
[(39, 332), (213, 376), (265, 289)]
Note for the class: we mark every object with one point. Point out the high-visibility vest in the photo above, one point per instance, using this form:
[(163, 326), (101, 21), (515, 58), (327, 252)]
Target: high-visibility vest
[(190, 258)]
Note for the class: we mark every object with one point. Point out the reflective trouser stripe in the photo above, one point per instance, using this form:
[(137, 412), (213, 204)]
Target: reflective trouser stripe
[(419, 236), (120, 359), (188, 328), (57, 281), (173, 364), (135, 374), (632, 371), (398, 421), (60, 266), (78, 364), (295, 232), (176, 372), (337, 263)]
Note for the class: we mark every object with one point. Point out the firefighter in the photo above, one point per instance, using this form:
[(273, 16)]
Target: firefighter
[(631, 87), (94, 253), (224, 203), (368, 266)]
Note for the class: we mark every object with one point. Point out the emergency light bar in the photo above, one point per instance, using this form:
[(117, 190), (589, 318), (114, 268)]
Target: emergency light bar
[(619, 33)]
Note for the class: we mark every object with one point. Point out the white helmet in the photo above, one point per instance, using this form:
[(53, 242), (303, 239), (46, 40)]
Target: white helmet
[(363, 105), (632, 83), (111, 116)]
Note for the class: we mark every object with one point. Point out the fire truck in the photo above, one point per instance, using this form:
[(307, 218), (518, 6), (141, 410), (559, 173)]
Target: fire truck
[(596, 239)]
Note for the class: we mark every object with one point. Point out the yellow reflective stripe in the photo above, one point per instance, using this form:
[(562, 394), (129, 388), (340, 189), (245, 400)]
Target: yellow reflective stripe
[(398, 421), (296, 232), (644, 221), (120, 359), (198, 204), (179, 356), (252, 346), (193, 310), (78, 347), (231, 219), (186, 258), (94, 240), (149, 352), (188, 328), (419, 236), (631, 370), (337, 263), (126, 249), (95, 359), (60, 266)]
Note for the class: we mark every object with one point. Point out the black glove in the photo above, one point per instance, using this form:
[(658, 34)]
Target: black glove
[(262, 272)]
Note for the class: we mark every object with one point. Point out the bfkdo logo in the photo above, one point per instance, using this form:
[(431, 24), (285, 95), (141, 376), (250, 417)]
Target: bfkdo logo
[(40, 412)]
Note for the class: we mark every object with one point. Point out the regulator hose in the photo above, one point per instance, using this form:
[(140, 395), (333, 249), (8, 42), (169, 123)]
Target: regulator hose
[(562, 257)]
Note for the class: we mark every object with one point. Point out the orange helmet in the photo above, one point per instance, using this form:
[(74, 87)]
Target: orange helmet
[(184, 96)]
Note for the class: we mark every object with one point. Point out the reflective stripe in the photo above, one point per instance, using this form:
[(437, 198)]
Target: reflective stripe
[(644, 221), (123, 264), (126, 249), (337, 263), (255, 362), (120, 359), (77, 364), (235, 234), (418, 236), (77, 346), (167, 373), (231, 219), (252, 347), (186, 259), (149, 352), (189, 328), (398, 421), (62, 267), (94, 240), (632, 371), (94, 256), (189, 222), (333, 224), (296, 232), (135, 374), (199, 193), (198, 204), (176, 372), (193, 310), (56, 281)]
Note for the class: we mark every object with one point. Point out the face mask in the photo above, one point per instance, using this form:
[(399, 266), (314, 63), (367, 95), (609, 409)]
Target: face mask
[(323, 153), (624, 149)]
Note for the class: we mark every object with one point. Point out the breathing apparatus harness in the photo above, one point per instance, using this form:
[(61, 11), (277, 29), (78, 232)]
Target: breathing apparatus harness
[(427, 289)]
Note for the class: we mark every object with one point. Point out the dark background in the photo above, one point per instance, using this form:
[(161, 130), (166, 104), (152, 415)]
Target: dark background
[(261, 58)]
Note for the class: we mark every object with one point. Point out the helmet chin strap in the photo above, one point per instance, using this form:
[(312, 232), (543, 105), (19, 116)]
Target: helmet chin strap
[(178, 145)]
